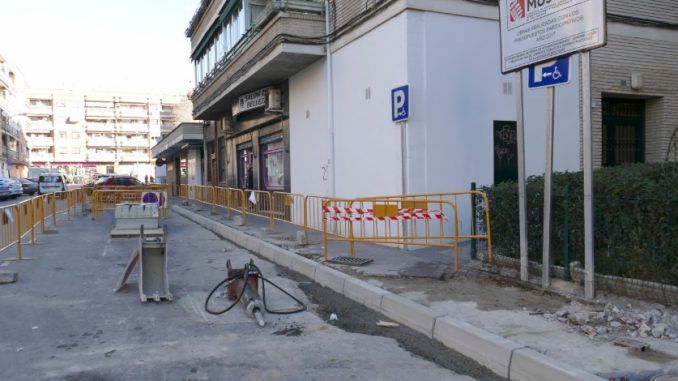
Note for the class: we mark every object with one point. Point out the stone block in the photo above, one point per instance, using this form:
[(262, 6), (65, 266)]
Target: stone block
[(409, 313)]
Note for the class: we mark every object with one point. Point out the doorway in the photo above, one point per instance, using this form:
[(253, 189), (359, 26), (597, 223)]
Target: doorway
[(245, 166), (623, 131), (505, 152)]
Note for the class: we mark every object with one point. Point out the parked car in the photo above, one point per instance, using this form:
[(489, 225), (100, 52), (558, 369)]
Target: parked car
[(29, 186), (51, 182), (99, 176), (117, 181), (17, 189), (5, 189)]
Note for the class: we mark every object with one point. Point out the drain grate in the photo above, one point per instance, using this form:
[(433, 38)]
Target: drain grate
[(350, 261)]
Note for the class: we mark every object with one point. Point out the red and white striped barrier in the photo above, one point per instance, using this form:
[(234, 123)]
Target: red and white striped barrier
[(366, 215)]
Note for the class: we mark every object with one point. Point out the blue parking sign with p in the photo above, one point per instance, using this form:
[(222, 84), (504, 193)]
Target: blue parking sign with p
[(400, 103)]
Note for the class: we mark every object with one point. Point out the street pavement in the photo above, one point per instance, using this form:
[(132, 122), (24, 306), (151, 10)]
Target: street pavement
[(61, 320)]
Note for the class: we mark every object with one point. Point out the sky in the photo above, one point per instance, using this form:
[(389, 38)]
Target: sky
[(107, 45)]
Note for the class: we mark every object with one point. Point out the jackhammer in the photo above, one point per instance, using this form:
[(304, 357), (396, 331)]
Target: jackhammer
[(243, 286)]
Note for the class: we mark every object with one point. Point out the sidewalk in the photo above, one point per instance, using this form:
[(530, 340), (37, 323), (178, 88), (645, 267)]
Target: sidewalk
[(541, 321)]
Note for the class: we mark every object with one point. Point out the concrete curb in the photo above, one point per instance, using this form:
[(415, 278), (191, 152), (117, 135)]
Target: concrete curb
[(504, 357)]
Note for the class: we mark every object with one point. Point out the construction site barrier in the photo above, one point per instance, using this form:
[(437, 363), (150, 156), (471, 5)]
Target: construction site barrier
[(106, 199), (473, 196), (393, 220), (22, 219), (308, 212)]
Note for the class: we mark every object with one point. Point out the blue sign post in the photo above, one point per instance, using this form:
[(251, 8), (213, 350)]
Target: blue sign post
[(400, 103), (550, 73)]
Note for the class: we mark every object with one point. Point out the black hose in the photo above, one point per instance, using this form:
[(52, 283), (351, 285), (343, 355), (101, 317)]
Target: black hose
[(252, 270)]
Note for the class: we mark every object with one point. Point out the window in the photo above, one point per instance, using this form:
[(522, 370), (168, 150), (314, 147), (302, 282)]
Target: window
[(63, 150), (623, 131), (75, 150), (75, 135), (63, 135), (272, 163)]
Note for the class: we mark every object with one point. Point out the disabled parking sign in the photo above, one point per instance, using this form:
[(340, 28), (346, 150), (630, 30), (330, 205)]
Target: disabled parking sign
[(551, 73)]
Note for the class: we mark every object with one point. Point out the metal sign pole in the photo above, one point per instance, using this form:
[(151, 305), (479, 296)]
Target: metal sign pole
[(589, 283), (522, 205), (548, 185)]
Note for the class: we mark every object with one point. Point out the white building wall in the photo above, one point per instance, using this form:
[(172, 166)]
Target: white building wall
[(457, 92), (451, 64), (367, 143), (309, 152)]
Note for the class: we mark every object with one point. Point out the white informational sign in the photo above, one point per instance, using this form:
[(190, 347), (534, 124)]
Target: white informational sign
[(250, 101), (534, 31)]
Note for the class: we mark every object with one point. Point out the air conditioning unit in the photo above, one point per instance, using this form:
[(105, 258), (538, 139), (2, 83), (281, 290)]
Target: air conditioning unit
[(274, 100)]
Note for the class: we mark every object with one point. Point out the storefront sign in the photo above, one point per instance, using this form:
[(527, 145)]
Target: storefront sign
[(534, 31), (250, 101)]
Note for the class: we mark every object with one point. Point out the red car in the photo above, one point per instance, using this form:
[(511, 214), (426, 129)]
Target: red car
[(117, 181)]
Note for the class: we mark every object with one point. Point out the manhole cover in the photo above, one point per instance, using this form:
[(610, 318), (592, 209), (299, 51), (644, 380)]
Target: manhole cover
[(351, 261)]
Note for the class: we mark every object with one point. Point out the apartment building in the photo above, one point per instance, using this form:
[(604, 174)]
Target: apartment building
[(13, 119), (297, 95), (83, 133)]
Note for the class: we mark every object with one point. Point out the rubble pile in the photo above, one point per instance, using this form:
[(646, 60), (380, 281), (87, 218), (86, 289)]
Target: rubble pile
[(613, 321)]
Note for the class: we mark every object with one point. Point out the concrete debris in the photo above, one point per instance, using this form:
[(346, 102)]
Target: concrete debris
[(8, 277), (633, 344), (387, 324), (659, 330), (614, 321)]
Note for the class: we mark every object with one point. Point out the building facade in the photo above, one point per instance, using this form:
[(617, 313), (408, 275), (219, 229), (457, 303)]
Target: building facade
[(83, 133), (13, 120), (298, 95), (182, 153)]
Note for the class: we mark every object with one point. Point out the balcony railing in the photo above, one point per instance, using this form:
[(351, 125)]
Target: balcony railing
[(133, 157), (41, 157), (272, 7), (39, 126), (40, 110), (280, 18), (100, 112), (133, 127), (167, 114), (131, 113), (41, 142), (101, 142), (108, 127), (101, 157), (134, 143)]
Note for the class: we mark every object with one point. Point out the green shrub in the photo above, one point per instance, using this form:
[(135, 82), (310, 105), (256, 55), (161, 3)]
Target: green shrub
[(635, 219)]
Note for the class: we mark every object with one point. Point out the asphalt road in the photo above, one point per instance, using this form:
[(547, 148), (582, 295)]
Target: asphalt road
[(13, 201), (61, 320)]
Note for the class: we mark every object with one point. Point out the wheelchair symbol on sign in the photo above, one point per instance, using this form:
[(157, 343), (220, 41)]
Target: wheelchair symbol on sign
[(555, 74)]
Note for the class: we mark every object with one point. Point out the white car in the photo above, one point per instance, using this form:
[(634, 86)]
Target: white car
[(51, 182)]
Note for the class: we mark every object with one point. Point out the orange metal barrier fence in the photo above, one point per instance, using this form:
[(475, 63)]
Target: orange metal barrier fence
[(309, 212), (433, 223), (459, 198), (106, 199), (21, 219)]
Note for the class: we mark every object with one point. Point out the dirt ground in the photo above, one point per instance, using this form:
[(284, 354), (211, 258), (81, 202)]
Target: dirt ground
[(490, 293), (353, 317)]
